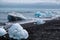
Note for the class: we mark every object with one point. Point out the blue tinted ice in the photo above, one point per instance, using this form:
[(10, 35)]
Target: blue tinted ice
[(39, 21), (17, 32), (37, 14), (2, 31)]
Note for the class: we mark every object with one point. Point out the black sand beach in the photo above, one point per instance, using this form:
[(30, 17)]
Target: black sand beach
[(48, 31)]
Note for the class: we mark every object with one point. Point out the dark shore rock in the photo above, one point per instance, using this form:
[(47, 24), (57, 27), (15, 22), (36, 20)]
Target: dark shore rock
[(48, 31)]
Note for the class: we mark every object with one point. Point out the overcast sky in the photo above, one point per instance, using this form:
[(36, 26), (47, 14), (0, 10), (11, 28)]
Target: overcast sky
[(28, 1)]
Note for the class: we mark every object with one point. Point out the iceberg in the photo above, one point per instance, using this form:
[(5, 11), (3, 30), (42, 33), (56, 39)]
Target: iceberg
[(48, 14), (37, 14), (2, 32), (16, 31), (15, 16)]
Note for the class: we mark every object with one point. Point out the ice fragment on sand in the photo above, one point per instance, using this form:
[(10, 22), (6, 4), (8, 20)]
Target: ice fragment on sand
[(39, 21), (2, 31), (16, 31)]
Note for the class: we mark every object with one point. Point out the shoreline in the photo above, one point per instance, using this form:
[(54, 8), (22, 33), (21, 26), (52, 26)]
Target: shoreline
[(38, 32)]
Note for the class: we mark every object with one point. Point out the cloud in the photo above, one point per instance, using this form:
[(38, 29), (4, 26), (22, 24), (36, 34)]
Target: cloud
[(20, 1), (29, 1)]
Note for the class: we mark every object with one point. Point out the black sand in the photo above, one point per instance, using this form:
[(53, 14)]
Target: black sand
[(47, 31)]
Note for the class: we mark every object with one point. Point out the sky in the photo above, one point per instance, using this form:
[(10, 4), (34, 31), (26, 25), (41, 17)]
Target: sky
[(29, 1)]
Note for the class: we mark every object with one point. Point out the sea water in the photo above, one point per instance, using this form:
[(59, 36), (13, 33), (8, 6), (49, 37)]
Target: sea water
[(29, 13)]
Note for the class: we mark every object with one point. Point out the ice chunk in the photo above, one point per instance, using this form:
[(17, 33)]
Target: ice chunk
[(21, 35), (17, 15), (2, 31), (37, 14), (25, 34), (16, 31), (48, 15), (39, 21)]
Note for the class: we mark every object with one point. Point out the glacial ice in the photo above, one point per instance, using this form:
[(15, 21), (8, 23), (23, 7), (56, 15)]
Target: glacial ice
[(17, 15), (39, 21), (43, 15), (2, 31), (16, 31), (38, 14)]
